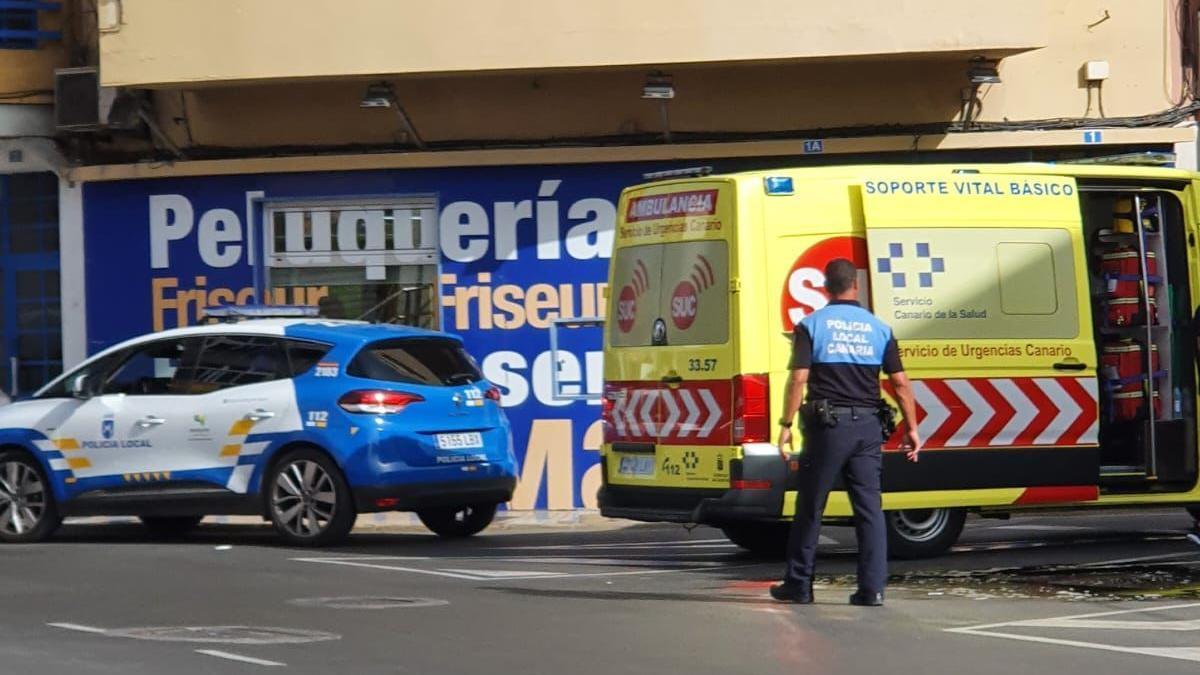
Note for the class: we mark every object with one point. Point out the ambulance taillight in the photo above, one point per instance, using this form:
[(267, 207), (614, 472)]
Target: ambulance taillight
[(611, 394), (751, 409)]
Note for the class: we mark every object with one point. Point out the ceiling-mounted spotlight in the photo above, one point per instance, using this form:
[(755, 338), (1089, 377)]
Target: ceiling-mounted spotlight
[(378, 95), (983, 71), (381, 95), (658, 86)]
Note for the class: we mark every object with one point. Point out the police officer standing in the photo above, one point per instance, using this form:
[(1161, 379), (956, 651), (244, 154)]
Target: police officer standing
[(837, 353)]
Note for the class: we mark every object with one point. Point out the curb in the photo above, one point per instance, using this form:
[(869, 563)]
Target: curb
[(578, 520)]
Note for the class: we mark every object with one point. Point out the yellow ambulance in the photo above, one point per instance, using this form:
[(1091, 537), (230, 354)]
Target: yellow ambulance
[(1044, 313)]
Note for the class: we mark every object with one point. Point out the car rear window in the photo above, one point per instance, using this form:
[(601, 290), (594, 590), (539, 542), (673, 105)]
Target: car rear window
[(430, 361), (303, 355)]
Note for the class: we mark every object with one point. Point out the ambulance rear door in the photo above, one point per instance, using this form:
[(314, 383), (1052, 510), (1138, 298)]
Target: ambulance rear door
[(670, 356), (983, 278)]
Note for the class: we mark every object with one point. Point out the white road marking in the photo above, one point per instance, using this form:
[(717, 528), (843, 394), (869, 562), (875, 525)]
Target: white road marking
[(78, 627), (1088, 621), (392, 568), (1039, 528), (722, 543), (607, 562), (504, 574), (499, 575), (1122, 561), (238, 657), (1100, 624)]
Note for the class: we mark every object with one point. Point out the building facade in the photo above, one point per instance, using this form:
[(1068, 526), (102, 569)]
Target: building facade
[(457, 166)]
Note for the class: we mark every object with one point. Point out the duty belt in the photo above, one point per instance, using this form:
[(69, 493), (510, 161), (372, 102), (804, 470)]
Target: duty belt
[(855, 411)]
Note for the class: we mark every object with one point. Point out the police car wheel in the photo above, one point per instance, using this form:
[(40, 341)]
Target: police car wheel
[(458, 521), (28, 512), (308, 500), (170, 526), (922, 533), (764, 539)]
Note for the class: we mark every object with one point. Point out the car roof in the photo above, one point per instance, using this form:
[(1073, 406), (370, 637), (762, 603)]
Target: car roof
[(326, 330)]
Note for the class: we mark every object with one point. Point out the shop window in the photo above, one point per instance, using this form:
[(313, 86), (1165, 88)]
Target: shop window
[(373, 259), (18, 26)]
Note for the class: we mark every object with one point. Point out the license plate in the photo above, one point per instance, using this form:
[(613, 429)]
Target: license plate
[(470, 439), (640, 466)]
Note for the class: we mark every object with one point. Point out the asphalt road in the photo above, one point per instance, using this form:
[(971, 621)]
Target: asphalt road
[(1078, 594)]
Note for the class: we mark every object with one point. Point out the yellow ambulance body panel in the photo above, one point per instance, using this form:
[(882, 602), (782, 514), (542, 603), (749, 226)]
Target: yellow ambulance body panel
[(1043, 312)]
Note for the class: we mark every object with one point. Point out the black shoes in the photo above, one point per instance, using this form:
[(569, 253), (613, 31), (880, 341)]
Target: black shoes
[(865, 599), (799, 594)]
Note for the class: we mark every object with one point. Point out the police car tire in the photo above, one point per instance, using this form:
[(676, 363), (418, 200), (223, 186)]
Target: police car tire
[(170, 526), (445, 522), (344, 513), (50, 519), (764, 539), (904, 544)]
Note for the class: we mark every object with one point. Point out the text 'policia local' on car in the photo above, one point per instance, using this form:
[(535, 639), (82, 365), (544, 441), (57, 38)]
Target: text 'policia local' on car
[(306, 422)]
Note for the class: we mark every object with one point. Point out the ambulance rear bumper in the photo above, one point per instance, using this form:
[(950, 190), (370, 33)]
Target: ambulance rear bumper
[(768, 475)]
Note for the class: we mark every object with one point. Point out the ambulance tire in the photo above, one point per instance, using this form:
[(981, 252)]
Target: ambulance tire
[(768, 540), (319, 476), (457, 522), (922, 533), (169, 527), (39, 518)]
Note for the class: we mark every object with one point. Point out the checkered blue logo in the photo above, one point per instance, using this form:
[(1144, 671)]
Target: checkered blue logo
[(923, 265)]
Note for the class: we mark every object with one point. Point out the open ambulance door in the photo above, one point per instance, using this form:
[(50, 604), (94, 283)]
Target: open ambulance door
[(983, 278)]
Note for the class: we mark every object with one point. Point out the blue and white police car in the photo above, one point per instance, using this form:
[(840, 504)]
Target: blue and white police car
[(306, 422)]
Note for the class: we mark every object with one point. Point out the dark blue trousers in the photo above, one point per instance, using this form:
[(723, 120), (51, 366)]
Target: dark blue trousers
[(852, 449)]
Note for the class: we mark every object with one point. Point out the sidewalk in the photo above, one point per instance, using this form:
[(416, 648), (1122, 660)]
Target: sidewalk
[(581, 520)]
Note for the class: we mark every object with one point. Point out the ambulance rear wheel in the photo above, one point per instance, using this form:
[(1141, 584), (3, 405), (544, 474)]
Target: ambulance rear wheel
[(28, 512), (764, 539), (923, 533), (167, 527)]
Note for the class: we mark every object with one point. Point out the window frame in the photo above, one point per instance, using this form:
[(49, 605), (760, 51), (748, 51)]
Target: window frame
[(280, 342)]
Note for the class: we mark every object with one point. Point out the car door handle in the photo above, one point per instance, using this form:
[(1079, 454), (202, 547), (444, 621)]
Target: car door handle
[(1070, 365), (259, 415), (150, 421)]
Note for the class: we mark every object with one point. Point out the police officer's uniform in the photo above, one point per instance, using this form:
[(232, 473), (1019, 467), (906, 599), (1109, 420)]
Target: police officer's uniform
[(844, 347)]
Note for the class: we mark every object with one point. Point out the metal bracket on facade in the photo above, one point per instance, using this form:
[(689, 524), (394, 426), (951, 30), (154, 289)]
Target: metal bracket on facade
[(555, 386)]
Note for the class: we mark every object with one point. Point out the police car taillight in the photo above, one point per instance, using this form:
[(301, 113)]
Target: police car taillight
[(377, 401), (751, 409), (492, 394)]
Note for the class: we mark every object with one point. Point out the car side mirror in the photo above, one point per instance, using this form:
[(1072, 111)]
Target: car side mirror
[(79, 387)]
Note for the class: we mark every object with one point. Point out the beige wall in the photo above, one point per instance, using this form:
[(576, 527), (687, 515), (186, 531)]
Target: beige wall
[(157, 42), (317, 105), (1139, 40)]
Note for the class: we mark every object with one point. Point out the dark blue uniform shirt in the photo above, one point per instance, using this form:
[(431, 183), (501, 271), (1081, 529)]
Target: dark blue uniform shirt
[(844, 347)]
